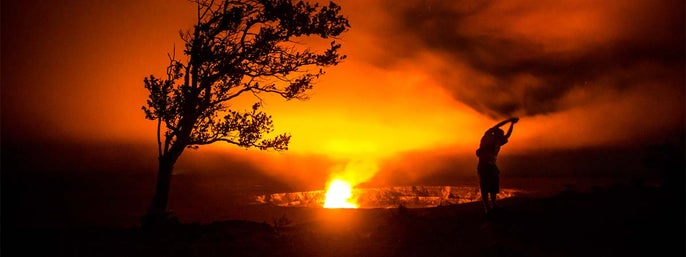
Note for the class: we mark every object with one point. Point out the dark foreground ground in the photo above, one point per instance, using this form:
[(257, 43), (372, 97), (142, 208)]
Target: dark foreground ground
[(617, 221)]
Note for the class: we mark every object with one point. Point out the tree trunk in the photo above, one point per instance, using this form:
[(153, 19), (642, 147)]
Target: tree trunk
[(161, 197), (157, 214)]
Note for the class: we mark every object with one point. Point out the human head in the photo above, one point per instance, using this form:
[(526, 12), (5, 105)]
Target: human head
[(496, 132)]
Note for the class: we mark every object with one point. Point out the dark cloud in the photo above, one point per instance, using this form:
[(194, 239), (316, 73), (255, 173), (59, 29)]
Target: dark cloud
[(531, 53)]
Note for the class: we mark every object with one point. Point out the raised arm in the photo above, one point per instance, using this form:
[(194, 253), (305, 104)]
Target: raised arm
[(509, 131), (513, 120)]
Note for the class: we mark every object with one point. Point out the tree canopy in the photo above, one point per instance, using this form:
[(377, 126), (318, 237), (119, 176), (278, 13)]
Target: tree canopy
[(239, 47)]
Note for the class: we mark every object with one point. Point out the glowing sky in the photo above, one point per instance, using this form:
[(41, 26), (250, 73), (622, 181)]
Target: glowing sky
[(421, 75)]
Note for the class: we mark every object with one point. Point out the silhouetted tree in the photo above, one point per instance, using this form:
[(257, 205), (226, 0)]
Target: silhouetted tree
[(236, 47)]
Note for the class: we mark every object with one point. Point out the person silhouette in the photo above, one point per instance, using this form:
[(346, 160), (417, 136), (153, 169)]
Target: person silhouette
[(489, 174)]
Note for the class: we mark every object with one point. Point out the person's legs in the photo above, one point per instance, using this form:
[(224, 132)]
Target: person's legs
[(495, 186), (494, 195), (484, 198), (488, 176)]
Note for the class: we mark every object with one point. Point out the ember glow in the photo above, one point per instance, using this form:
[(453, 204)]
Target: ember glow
[(338, 195), (386, 197)]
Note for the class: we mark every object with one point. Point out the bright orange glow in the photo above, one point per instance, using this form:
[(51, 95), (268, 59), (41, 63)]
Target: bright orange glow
[(415, 114), (411, 107), (338, 195)]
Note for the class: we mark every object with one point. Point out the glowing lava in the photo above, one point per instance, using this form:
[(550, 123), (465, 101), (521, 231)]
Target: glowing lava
[(338, 195)]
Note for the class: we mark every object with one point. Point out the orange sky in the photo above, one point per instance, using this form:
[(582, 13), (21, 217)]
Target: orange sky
[(426, 76)]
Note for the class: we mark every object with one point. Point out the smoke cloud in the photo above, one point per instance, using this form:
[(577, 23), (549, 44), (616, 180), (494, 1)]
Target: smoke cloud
[(524, 57)]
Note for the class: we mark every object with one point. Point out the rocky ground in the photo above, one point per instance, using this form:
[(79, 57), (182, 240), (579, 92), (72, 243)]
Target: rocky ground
[(618, 221)]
